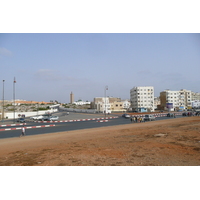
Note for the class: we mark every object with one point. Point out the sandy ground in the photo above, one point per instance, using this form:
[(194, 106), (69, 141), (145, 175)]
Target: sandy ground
[(173, 142)]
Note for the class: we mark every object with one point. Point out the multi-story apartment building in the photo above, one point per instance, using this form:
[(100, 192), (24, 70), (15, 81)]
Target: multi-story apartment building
[(142, 98), (175, 100), (170, 98)]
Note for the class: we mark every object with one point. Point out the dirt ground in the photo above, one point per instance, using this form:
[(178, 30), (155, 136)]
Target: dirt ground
[(172, 142)]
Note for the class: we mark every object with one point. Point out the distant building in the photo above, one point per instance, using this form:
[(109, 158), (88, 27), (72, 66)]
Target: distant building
[(142, 98), (156, 103), (80, 102), (19, 102), (195, 96), (196, 104), (71, 98)]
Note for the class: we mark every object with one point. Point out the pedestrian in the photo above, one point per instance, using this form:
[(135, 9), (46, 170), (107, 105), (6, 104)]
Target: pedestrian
[(23, 132), (131, 119), (136, 119)]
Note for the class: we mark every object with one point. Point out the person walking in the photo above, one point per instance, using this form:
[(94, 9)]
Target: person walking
[(23, 132)]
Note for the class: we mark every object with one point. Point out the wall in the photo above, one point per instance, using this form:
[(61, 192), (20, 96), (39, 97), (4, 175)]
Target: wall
[(10, 115)]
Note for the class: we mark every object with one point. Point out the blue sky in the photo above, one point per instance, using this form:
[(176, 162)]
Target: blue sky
[(49, 66)]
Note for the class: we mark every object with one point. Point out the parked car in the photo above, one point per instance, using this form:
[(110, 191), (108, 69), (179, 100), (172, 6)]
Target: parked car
[(53, 118), (184, 114), (41, 117), (38, 117), (33, 118), (22, 120), (170, 115), (149, 118), (126, 116), (197, 113)]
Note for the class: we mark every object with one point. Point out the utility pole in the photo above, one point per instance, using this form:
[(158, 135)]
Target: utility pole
[(106, 88)]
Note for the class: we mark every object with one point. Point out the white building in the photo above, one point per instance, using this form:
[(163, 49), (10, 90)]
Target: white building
[(175, 100), (142, 98), (80, 102), (196, 104), (126, 104)]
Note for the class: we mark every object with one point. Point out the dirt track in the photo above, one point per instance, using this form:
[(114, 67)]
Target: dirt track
[(173, 142)]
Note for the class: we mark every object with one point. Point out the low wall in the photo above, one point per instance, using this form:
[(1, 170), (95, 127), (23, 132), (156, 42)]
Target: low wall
[(10, 115), (78, 110)]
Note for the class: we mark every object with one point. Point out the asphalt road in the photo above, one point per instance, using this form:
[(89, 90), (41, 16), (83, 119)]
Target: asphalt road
[(69, 126)]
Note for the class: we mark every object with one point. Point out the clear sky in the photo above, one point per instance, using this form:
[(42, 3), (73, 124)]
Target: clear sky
[(48, 66)]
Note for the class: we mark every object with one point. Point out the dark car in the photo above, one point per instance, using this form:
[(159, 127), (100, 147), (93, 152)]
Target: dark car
[(184, 114), (170, 114), (22, 120), (197, 113)]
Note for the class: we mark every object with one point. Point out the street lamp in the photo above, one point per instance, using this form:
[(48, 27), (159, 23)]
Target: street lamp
[(14, 97), (106, 88), (3, 102)]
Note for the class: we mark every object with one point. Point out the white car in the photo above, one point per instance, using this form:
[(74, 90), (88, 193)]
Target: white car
[(149, 118), (37, 117), (53, 118)]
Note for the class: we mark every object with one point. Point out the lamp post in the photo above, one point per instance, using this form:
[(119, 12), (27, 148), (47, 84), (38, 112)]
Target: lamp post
[(3, 102), (14, 98), (106, 88)]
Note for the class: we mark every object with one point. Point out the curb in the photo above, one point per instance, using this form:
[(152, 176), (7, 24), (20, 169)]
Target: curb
[(13, 125), (77, 120), (28, 127), (102, 121)]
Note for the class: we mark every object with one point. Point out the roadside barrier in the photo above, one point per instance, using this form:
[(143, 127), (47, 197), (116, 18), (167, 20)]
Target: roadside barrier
[(102, 121), (78, 120), (12, 125), (158, 114), (28, 127)]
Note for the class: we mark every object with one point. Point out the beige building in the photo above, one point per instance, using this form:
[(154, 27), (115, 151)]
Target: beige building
[(18, 102), (156, 102), (110, 104)]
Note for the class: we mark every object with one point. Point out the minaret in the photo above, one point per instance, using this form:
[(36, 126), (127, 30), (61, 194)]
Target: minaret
[(71, 98)]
